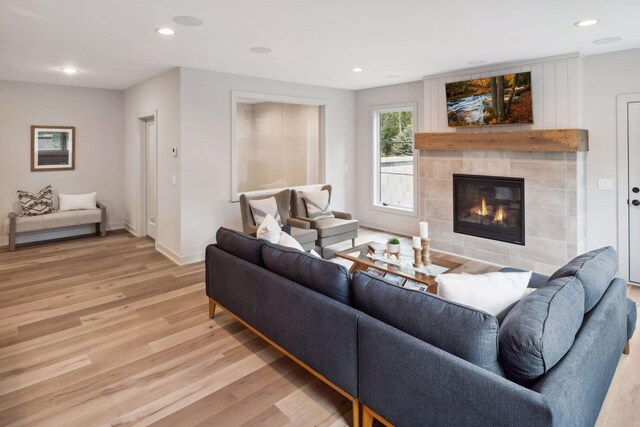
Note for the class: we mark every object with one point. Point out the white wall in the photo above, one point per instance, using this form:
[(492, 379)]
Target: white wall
[(160, 94), (205, 98), (365, 100), (606, 76), (97, 117)]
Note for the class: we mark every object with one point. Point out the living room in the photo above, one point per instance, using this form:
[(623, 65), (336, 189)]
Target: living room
[(171, 121)]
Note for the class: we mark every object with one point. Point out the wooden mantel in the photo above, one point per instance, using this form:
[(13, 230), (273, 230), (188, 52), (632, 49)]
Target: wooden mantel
[(513, 140)]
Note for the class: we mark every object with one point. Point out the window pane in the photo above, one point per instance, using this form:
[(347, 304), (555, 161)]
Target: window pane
[(277, 145), (395, 159)]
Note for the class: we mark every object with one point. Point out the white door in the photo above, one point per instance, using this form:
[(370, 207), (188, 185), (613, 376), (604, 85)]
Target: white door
[(634, 191), (151, 177)]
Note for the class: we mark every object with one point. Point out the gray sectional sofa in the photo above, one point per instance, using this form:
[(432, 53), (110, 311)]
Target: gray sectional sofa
[(410, 358)]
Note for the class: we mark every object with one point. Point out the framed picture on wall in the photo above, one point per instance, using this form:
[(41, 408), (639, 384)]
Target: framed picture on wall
[(53, 148)]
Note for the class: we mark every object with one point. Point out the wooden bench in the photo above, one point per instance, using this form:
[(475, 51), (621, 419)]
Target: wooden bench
[(23, 224)]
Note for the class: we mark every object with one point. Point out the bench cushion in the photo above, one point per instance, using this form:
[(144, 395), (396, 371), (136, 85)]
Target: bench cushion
[(55, 220), (328, 227), (304, 236)]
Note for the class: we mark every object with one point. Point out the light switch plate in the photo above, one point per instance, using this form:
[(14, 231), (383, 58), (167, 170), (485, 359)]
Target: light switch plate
[(605, 184), (174, 179)]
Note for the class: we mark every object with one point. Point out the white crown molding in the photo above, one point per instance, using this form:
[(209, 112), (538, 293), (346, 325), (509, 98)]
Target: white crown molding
[(502, 65)]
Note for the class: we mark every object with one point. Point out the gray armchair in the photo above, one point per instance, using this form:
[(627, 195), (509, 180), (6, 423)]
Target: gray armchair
[(300, 230), (330, 230)]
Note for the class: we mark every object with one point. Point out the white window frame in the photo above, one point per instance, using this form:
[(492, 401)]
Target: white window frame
[(239, 96), (375, 138)]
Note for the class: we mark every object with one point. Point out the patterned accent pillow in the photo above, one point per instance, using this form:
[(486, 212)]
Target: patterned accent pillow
[(317, 203), (39, 203), (263, 207)]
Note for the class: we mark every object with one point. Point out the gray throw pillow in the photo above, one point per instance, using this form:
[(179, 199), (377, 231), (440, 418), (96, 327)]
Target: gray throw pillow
[(595, 270), (260, 208), (317, 203), (541, 329)]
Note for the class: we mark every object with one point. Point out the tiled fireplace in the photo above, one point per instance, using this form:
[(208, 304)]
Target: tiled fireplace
[(553, 214)]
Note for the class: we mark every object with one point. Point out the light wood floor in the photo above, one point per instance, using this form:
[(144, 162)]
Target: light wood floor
[(109, 332)]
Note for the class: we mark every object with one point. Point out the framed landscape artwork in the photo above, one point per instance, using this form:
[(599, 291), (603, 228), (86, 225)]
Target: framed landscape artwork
[(489, 101), (53, 148)]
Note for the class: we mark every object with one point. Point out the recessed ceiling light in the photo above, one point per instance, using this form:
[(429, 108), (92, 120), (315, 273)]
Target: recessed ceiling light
[(69, 70), (477, 62), (607, 40), (392, 76), (587, 22), (188, 21), (260, 49), (356, 70), (165, 31)]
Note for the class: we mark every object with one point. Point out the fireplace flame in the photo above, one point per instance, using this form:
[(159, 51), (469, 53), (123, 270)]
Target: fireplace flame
[(483, 209), (500, 215)]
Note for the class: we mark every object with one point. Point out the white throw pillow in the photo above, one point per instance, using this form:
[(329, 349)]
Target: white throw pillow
[(317, 203), (75, 202), (263, 207), (491, 292), (290, 242), (269, 230), (315, 254)]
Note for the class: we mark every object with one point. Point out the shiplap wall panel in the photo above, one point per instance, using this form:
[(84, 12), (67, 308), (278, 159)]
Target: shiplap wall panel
[(562, 95), (555, 86), (427, 107), (573, 93), (549, 95)]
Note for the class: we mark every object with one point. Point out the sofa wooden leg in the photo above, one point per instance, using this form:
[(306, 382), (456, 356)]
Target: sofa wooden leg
[(626, 348), (353, 242), (356, 413), (367, 417), (212, 308)]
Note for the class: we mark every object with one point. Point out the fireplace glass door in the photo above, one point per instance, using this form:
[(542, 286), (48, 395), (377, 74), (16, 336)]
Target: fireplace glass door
[(489, 207)]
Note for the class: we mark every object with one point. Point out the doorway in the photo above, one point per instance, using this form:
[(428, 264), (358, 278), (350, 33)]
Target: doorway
[(629, 186), (150, 176)]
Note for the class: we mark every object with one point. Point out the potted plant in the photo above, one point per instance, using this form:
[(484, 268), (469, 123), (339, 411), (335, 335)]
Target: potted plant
[(393, 246)]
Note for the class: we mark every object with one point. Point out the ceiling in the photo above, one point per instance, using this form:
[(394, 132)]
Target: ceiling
[(114, 45)]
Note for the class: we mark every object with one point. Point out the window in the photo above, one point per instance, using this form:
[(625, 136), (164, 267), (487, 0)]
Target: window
[(275, 144), (394, 157)]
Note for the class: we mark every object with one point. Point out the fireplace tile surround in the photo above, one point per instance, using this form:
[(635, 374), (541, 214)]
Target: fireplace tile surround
[(555, 205)]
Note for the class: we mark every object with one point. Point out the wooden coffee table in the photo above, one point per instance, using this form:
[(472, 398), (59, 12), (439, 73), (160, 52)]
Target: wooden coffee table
[(400, 270)]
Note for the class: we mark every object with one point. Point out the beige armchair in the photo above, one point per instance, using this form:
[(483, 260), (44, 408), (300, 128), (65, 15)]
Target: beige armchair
[(300, 230), (330, 230)]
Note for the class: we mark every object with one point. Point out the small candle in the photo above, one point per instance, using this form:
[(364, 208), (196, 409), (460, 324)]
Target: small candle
[(417, 242), (424, 229)]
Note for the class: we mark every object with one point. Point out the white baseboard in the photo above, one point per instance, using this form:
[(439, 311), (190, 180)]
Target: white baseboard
[(131, 229), (179, 259), (193, 258), (168, 253), (115, 225), (389, 228)]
